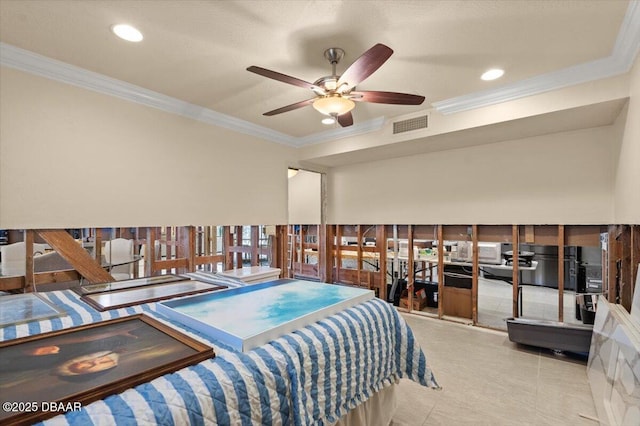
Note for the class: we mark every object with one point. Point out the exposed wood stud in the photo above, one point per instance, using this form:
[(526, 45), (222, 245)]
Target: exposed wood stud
[(29, 279), (561, 243), (515, 277), (474, 275), (440, 271), (255, 242), (359, 253), (381, 246), (410, 267), (76, 255)]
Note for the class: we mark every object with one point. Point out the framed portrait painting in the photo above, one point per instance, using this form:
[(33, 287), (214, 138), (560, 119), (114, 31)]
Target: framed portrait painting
[(86, 363)]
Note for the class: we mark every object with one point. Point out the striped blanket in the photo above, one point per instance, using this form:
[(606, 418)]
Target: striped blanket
[(311, 376)]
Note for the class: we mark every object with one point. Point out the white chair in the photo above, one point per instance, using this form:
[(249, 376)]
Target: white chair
[(18, 251), (119, 252), (13, 257)]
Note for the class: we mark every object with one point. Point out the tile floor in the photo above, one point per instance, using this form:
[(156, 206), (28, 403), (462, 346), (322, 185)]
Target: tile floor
[(488, 380)]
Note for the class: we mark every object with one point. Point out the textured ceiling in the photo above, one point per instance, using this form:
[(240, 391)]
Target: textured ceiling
[(197, 51)]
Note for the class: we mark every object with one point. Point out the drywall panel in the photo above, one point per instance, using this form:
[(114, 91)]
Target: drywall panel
[(70, 157), (627, 180), (305, 198), (560, 178)]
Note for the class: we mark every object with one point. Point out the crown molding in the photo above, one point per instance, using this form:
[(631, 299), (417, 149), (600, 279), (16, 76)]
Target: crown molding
[(345, 132), (619, 62), (43, 66), (628, 41)]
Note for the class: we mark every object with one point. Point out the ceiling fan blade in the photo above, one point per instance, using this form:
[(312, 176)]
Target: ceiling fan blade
[(345, 119), (290, 107), (365, 65), (386, 97), (281, 77)]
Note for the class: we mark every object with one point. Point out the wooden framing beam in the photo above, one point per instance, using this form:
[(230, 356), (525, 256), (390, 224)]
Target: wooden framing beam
[(561, 243), (227, 238), (515, 277), (255, 242), (475, 268), (238, 256), (440, 271), (280, 250), (330, 252), (29, 279), (15, 283), (410, 267), (299, 252), (626, 278), (187, 235), (359, 253), (338, 252), (322, 252), (611, 266), (150, 256), (635, 254), (381, 247), (77, 256)]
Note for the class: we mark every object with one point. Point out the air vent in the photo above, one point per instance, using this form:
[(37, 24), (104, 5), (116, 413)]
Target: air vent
[(410, 124)]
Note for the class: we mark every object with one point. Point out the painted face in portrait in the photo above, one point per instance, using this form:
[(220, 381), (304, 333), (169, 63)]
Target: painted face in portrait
[(87, 364)]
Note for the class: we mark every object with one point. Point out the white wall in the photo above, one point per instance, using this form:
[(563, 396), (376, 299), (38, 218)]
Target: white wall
[(627, 179), (70, 157), (562, 178), (305, 198)]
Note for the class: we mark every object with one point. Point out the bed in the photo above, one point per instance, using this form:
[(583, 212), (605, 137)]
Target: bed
[(345, 364)]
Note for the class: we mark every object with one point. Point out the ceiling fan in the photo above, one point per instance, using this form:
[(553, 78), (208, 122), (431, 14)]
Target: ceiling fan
[(335, 94)]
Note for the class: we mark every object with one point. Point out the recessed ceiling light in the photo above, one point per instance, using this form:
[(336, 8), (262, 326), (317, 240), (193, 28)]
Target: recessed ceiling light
[(127, 32), (328, 121), (492, 74)]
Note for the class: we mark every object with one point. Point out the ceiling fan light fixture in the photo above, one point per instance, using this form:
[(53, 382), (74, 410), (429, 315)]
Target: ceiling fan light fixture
[(331, 105), (328, 120)]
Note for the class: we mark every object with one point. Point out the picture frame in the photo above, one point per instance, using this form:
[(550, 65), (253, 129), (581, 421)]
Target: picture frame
[(26, 307), (108, 300), (125, 284), (87, 363), (250, 316)]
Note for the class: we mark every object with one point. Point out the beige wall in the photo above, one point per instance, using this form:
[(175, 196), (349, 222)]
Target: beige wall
[(70, 157), (559, 178), (74, 158), (562, 110), (305, 198), (627, 179)]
